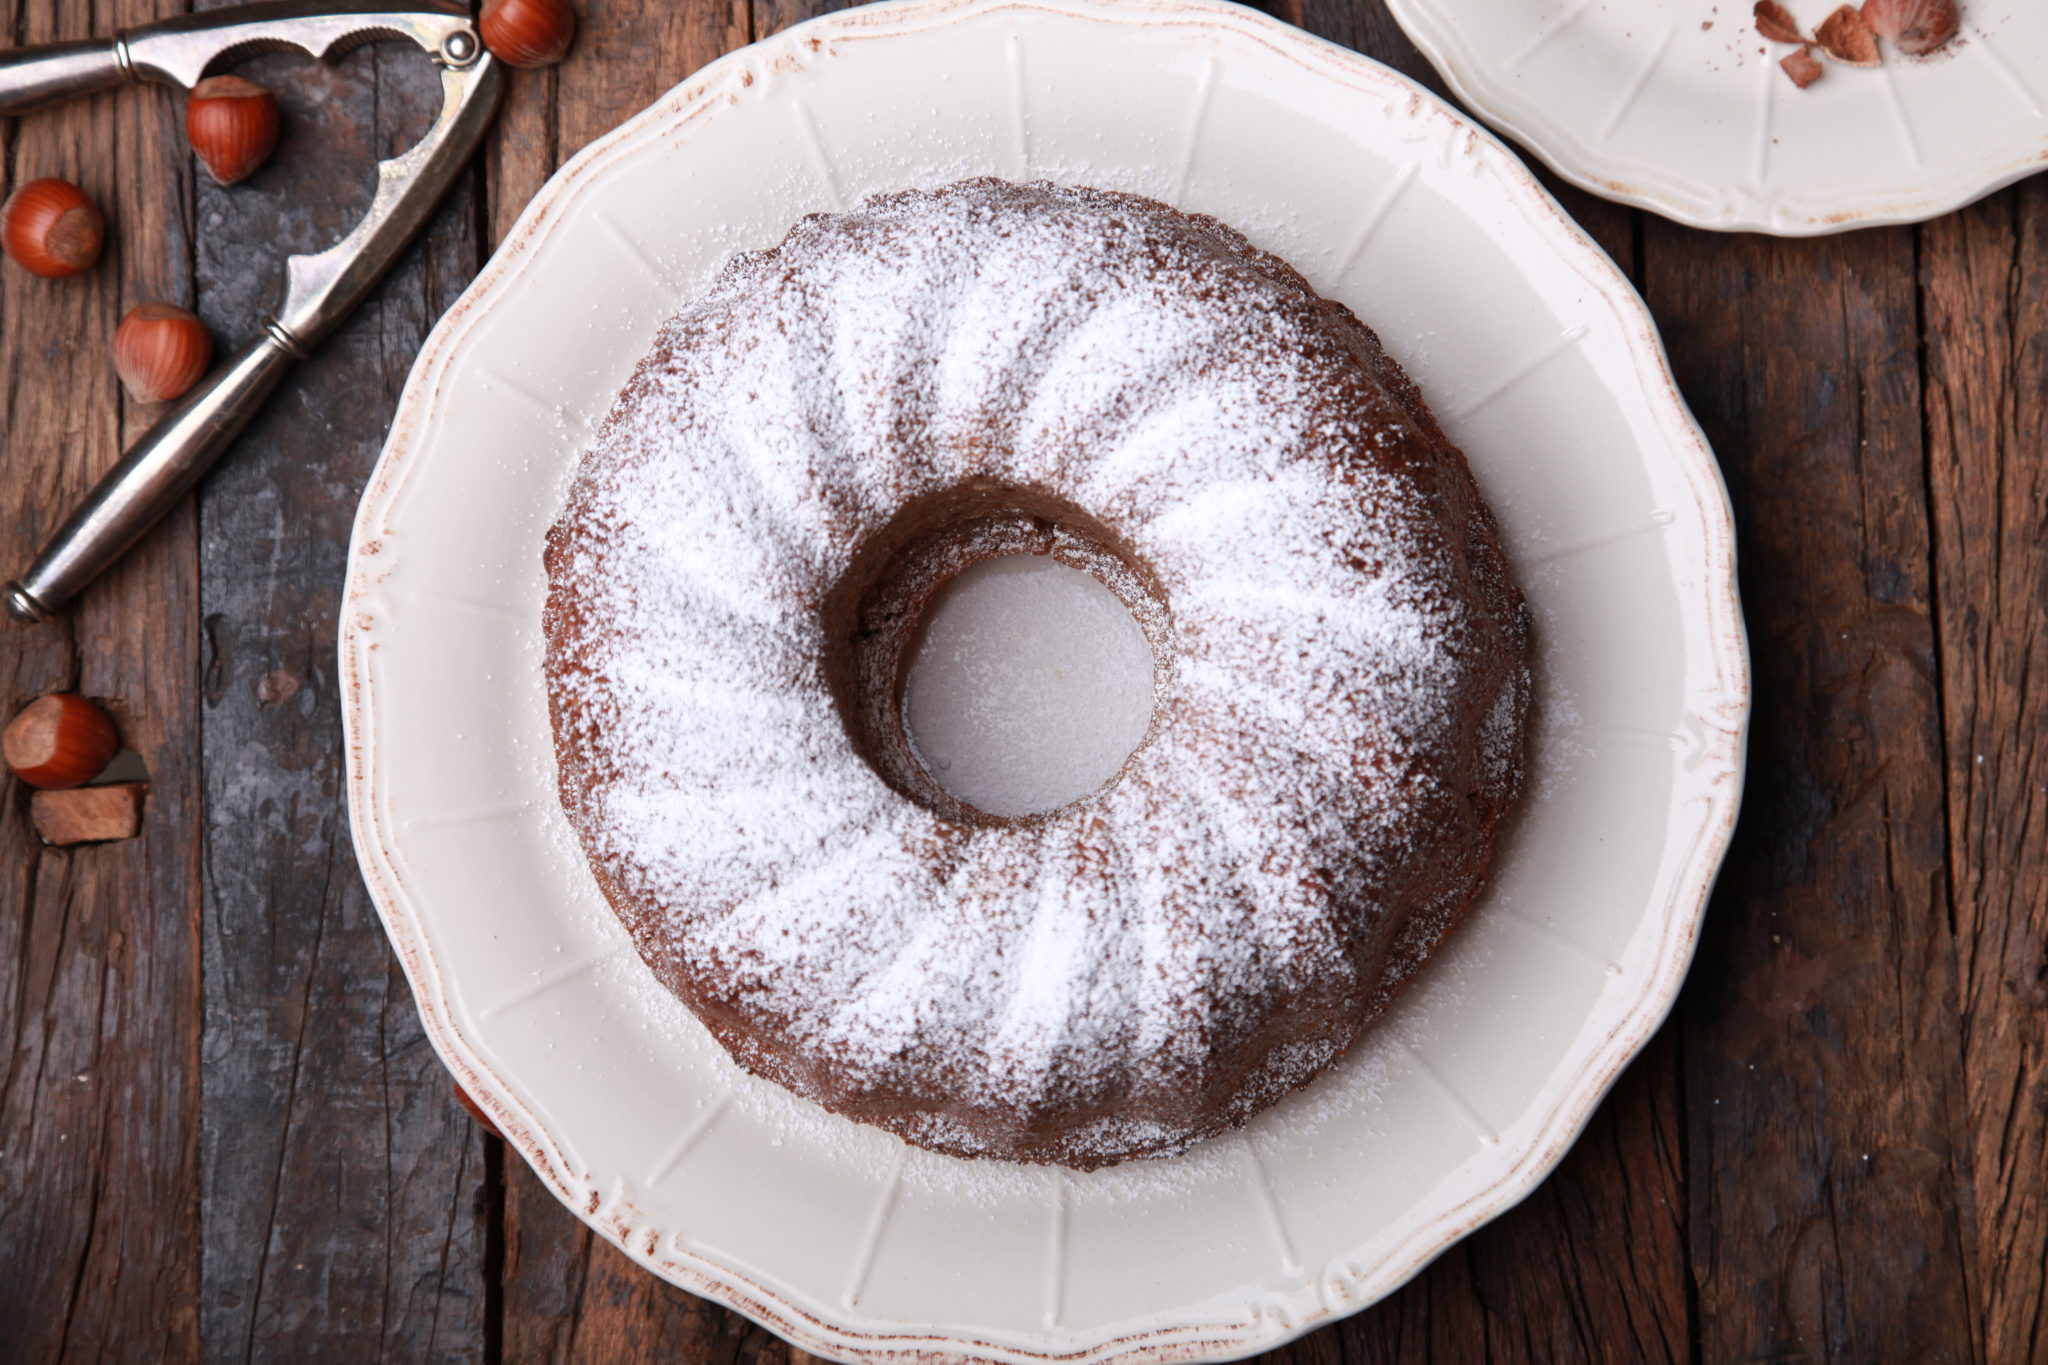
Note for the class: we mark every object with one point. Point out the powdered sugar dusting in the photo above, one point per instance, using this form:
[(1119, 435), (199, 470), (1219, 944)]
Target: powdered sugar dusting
[(1339, 728)]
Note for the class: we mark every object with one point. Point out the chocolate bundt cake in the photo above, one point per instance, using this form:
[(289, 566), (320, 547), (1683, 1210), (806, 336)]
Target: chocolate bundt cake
[(837, 427)]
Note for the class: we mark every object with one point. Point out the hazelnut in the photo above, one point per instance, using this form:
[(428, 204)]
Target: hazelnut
[(160, 351), (528, 32), (232, 125), (60, 740), (51, 229)]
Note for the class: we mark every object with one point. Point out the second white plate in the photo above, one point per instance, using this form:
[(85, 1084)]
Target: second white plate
[(1679, 106), (1541, 362)]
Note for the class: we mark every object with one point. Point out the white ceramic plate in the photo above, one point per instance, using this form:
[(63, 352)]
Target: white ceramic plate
[(1678, 106), (1526, 340)]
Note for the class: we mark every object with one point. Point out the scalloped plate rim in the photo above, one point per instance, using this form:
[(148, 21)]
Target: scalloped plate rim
[(1718, 782)]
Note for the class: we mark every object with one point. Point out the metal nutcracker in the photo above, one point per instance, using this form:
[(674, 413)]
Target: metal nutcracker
[(320, 289)]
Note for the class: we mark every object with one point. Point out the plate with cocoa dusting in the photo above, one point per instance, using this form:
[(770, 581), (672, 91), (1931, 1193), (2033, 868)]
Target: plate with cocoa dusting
[(1793, 117)]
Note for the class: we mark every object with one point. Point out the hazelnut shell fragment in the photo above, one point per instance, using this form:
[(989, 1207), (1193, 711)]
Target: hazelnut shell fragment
[(1914, 27), (1776, 23), (1801, 67), (1845, 37)]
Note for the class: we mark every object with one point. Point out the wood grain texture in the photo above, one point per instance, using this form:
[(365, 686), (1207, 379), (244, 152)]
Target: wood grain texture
[(343, 1190), (571, 1297), (1986, 315), (1827, 1159), (222, 1132), (99, 946)]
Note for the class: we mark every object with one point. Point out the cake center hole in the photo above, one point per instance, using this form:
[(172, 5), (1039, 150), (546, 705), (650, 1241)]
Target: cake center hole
[(1028, 687)]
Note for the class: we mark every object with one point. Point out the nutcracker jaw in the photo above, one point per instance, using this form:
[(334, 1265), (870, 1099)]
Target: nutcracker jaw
[(178, 51), (320, 289)]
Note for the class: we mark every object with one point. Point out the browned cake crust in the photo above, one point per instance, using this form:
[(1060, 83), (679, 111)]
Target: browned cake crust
[(841, 424)]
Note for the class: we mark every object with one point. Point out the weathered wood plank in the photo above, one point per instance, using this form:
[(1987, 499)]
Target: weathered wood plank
[(99, 947), (573, 1298), (627, 56), (1985, 287), (1820, 1034), (343, 1190)]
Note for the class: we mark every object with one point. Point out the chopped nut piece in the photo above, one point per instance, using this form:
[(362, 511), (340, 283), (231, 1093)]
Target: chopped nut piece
[(1775, 23), (88, 815), (1844, 36), (1802, 68), (1914, 26)]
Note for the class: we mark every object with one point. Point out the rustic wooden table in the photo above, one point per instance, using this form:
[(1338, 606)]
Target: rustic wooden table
[(222, 1133)]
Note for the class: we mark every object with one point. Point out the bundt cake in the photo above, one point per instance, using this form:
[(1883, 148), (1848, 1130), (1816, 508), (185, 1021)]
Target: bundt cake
[(836, 428)]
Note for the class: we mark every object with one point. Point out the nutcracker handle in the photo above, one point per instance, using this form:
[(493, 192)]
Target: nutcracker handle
[(158, 470), (33, 77)]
